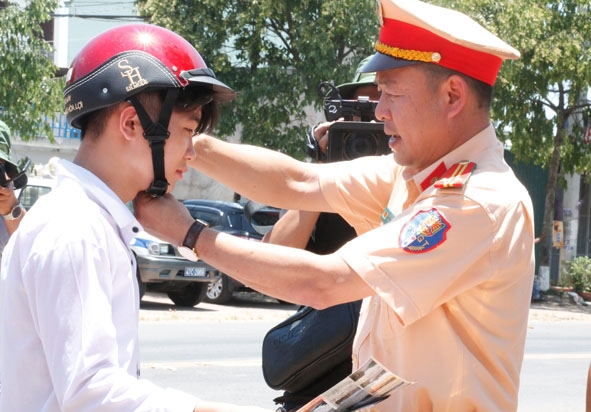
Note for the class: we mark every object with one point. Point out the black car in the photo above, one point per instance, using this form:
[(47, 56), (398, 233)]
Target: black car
[(248, 221)]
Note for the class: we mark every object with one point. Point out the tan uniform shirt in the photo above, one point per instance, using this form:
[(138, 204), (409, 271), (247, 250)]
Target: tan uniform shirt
[(452, 275)]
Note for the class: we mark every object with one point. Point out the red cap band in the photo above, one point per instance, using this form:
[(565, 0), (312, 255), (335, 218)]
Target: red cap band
[(409, 42)]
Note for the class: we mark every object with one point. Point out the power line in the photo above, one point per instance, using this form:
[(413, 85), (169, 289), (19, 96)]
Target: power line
[(101, 16)]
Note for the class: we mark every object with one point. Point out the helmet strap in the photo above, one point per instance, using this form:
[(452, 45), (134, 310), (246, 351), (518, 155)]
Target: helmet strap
[(156, 133)]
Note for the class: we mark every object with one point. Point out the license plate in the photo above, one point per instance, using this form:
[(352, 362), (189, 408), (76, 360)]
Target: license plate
[(194, 272)]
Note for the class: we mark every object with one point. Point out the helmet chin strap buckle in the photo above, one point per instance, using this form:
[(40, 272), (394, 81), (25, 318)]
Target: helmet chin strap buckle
[(156, 134), (157, 188)]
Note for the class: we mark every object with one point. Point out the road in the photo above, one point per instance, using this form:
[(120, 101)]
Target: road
[(214, 352)]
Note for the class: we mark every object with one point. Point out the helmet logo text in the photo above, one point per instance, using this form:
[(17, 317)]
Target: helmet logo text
[(133, 75), (72, 107)]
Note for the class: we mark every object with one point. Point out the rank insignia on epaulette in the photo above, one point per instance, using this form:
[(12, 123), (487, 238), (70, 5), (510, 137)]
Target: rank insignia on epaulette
[(456, 176)]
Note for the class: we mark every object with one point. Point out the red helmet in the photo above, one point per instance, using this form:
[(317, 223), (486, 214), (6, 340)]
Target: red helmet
[(131, 58)]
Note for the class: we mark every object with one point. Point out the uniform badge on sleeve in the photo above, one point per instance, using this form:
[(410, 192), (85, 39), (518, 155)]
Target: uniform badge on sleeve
[(425, 231)]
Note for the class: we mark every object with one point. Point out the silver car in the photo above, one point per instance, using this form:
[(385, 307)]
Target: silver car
[(162, 269)]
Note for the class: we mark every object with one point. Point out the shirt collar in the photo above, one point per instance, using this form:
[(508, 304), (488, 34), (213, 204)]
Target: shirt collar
[(103, 196), (483, 141)]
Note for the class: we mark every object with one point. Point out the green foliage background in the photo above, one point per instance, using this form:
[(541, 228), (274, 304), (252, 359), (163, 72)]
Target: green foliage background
[(536, 94), (274, 54), (541, 100), (28, 91)]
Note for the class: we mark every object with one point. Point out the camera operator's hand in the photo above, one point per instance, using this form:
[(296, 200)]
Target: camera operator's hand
[(8, 201), (321, 136)]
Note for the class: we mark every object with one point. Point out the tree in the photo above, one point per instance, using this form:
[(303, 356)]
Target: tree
[(274, 53), (542, 97), (28, 89)]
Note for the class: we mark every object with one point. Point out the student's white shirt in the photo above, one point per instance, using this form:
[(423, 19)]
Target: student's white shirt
[(69, 306)]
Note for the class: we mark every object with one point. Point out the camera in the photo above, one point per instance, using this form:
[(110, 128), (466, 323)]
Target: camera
[(347, 109), (16, 180), (351, 139)]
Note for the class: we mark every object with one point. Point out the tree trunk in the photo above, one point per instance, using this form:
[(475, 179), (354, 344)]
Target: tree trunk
[(546, 243)]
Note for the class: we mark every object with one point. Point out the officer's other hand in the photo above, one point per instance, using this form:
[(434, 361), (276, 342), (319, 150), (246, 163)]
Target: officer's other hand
[(164, 217)]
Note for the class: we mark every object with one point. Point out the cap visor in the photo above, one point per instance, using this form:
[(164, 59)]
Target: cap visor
[(380, 62), (346, 90), (223, 93)]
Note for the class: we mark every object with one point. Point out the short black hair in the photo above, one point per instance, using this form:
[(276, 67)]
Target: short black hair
[(483, 91), (188, 100)]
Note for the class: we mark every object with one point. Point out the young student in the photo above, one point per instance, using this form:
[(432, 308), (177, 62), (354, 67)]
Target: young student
[(69, 303)]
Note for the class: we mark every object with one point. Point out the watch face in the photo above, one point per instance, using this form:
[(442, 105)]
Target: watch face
[(17, 211), (188, 253)]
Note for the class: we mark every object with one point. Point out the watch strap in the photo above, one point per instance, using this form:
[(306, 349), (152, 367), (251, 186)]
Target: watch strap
[(193, 234), (15, 212)]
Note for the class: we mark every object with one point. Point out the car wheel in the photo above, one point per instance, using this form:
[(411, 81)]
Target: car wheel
[(219, 291), (141, 285), (188, 296)]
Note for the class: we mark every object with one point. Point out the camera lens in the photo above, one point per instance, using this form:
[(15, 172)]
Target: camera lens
[(358, 145)]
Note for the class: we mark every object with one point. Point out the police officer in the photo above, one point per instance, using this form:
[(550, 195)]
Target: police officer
[(444, 258)]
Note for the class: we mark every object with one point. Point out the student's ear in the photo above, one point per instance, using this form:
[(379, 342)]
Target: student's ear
[(456, 91), (129, 123)]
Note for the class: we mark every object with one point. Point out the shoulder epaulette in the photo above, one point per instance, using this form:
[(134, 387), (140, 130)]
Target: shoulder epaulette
[(456, 176)]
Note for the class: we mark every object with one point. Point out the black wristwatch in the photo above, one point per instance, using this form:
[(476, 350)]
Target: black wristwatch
[(187, 249), (15, 213)]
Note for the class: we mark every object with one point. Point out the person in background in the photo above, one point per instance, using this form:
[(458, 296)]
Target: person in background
[(69, 302), (321, 233), (301, 229), (12, 212), (444, 259)]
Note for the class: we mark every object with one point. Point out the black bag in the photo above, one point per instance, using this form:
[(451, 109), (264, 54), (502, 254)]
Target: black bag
[(304, 347)]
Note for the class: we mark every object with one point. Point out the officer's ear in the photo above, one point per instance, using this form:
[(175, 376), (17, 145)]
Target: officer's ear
[(455, 91)]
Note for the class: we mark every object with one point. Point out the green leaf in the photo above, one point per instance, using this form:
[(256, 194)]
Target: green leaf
[(28, 89)]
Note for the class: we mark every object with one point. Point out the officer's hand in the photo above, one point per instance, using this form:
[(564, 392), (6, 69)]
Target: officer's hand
[(163, 217)]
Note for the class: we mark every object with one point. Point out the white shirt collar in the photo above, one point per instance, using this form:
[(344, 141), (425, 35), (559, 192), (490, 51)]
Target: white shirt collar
[(103, 195)]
